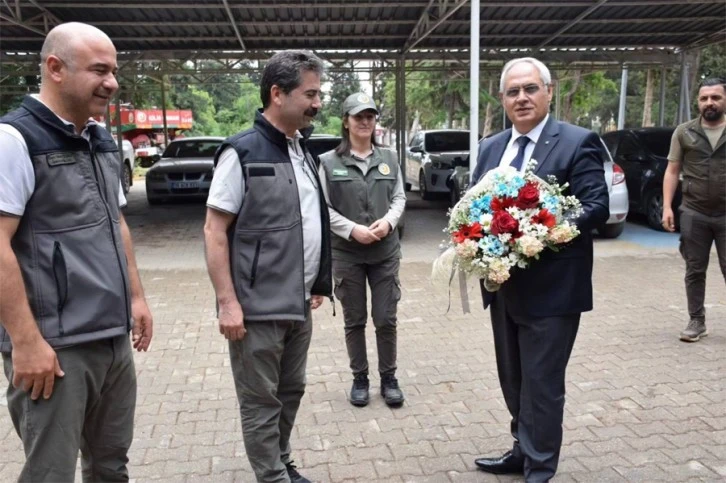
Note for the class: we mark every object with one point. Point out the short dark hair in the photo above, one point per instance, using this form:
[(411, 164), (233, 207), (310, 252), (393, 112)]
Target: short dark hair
[(713, 81), (284, 70)]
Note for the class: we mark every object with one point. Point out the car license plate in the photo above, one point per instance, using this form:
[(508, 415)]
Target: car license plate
[(180, 185)]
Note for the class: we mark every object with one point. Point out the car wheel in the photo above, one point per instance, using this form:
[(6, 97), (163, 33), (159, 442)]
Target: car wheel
[(425, 194), (612, 230), (126, 178), (654, 210)]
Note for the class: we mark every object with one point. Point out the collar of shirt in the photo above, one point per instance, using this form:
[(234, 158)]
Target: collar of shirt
[(84, 134), (533, 135)]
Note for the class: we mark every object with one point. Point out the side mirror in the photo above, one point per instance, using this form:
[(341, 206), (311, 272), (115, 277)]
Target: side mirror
[(155, 157), (462, 162), (416, 149)]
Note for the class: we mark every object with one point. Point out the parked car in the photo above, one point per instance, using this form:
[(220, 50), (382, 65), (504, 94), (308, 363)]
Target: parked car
[(429, 159), (147, 154), (318, 144), (642, 153), (614, 177), (185, 170), (127, 164)]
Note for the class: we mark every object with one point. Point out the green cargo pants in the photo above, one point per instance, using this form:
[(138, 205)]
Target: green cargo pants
[(91, 409), (350, 289), (268, 366)]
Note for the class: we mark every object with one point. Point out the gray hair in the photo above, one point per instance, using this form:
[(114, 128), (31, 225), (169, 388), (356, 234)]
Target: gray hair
[(544, 72), (284, 70)]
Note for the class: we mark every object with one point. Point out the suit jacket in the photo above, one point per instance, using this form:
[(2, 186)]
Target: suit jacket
[(559, 283)]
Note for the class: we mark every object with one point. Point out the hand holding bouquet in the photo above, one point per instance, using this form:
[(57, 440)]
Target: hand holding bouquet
[(506, 220)]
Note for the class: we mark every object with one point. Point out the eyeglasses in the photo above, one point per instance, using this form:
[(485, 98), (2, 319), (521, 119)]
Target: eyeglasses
[(529, 90)]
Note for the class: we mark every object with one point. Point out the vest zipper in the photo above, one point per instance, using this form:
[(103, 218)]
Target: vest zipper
[(60, 273), (253, 274), (96, 173)]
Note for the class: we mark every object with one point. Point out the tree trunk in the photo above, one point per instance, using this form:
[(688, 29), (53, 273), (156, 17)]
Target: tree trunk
[(566, 99), (648, 101), (487, 128)]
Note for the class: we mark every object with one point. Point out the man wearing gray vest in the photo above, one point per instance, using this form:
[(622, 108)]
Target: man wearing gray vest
[(364, 189), (70, 291), (698, 151), (268, 255)]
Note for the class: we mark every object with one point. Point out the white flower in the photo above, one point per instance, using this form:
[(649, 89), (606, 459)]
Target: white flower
[(529, 246)]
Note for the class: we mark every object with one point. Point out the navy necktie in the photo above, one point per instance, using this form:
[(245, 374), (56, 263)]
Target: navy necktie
[(519, 158)]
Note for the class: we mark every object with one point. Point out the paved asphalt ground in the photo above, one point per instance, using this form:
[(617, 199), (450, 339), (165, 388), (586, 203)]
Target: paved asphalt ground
[(641, 405)]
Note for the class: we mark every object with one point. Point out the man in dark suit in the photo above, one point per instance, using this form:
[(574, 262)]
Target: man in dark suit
[(536, 313)]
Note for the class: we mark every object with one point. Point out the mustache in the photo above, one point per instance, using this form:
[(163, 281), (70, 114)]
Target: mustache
[(312, 112)]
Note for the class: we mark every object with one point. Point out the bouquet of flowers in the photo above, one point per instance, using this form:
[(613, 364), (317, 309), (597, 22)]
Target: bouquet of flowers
[(506, 220)]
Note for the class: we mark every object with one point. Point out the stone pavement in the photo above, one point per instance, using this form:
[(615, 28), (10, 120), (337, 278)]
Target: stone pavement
[(641, 405)]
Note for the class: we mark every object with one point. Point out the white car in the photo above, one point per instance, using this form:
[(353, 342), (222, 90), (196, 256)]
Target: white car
[(127, 164), (618, 191), (430, 160)]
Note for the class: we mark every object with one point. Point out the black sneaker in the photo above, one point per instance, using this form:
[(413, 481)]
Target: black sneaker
[(359, 392), (390, 391), (295, 477)]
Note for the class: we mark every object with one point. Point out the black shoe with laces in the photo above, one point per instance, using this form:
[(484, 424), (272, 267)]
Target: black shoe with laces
[(390, 391), (295, 477), (359, 392)]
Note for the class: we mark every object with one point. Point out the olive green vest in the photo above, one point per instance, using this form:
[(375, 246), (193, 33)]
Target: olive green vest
[(362, 198), (704, 170)]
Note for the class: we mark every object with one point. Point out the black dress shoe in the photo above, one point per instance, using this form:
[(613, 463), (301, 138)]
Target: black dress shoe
[(505, 464)]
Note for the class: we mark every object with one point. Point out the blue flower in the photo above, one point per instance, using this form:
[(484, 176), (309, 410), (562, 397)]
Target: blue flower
[(551, 202), (492, 246)]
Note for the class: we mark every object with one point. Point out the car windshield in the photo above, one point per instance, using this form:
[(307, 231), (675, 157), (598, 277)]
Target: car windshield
[(441, 142), (657, 142), (192, 149)]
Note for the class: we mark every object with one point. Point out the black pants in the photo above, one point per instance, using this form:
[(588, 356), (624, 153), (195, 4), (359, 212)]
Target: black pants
[(698, 234), (532, 355)]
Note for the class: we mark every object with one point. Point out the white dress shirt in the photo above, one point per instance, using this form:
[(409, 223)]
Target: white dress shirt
[(512, 146)]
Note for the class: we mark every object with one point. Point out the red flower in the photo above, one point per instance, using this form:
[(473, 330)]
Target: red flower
[(467, 232), (503, 222), (528, 196), (499, 204), (545, 218)]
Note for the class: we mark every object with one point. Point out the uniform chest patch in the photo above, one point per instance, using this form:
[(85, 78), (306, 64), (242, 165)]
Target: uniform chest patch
[(384, 169), (340, 172)]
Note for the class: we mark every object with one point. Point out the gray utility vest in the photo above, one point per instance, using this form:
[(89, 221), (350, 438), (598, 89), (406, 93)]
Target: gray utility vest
[(704, 170), (68, 243), (266, 240), (362, 198)]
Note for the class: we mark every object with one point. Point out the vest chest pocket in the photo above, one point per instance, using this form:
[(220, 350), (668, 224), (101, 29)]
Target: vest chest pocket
[(270, 199), (66, 194)]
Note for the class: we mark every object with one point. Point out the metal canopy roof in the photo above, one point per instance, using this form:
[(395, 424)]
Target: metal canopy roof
[(377, 28)]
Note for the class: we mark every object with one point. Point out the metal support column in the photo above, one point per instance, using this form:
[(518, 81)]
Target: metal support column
[(474, 87), (163, 110), (684, 97), (662, 101), (119, 139), (623, 96), (557, 98), (401, 114)]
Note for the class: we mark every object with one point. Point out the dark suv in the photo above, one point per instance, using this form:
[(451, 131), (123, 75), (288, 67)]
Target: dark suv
[(642, 153)]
